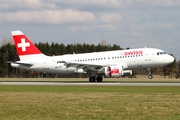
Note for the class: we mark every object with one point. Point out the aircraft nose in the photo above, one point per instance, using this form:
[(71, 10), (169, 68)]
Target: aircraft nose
[(170, 59)]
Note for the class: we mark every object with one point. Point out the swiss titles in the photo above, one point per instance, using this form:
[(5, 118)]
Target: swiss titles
[(135, 52)]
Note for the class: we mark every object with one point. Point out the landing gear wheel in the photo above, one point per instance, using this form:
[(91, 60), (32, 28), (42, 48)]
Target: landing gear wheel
[(150, 73), (150, 76), (99, 79), (92, 79)]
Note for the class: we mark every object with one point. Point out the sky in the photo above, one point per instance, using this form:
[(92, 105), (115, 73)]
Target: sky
[(127, 23)]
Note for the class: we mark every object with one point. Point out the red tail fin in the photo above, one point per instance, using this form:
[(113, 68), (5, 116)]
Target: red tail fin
[(23, 45)]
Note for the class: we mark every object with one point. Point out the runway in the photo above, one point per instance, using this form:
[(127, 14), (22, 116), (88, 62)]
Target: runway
[(94, 84)]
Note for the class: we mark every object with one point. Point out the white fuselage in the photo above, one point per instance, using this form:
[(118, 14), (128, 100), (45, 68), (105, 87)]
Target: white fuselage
[(129, 59)]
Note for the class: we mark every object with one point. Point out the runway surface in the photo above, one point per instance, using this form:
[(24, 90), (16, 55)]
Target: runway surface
[(94, 84)]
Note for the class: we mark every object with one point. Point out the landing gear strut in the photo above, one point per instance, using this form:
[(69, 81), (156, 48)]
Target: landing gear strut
[(150, 73)]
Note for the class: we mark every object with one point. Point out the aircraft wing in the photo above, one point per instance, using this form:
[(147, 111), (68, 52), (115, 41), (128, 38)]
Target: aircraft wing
[(88, 66), (85, 66)]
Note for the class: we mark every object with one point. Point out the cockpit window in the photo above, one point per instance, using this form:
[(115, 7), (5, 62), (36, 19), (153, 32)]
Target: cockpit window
[(161, 53)]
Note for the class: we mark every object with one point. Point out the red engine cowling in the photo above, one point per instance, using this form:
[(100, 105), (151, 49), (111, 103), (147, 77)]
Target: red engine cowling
[(114, 71)]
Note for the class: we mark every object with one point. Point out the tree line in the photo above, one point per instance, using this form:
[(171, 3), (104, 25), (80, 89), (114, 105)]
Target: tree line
[(8, 53)]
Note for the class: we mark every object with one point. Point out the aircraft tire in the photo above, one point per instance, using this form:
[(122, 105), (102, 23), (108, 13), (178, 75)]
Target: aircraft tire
[(99, 79), (150, 76), (92, 79)]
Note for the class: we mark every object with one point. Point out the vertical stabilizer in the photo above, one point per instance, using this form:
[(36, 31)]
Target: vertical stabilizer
[(24, 46)]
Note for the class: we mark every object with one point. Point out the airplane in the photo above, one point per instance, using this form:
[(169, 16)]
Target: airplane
[(116, 63)]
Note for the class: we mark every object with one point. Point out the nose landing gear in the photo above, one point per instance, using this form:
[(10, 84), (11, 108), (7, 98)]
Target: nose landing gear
[(149, 73)]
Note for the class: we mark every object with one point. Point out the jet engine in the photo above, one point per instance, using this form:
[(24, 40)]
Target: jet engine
[(127, 72), (115, 71)]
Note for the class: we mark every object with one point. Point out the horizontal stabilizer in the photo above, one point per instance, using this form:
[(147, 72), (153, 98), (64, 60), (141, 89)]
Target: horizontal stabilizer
[(22, 63)]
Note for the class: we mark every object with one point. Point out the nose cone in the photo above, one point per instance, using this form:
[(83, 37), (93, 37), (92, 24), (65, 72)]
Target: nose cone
[(170, 59)]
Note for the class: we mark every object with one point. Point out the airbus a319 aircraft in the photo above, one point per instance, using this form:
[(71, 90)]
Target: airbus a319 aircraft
[(116, 63)]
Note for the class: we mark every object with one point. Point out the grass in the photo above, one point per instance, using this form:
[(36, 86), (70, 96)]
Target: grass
[(89, 102)]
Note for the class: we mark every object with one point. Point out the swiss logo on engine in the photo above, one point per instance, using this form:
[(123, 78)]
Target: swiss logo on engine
[(114, 71)]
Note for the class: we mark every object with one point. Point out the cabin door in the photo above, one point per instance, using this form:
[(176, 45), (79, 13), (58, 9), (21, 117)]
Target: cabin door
[(45, 64), (147, 55)]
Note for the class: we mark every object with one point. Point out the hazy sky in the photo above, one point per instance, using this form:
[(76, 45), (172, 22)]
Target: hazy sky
[(128, 23)]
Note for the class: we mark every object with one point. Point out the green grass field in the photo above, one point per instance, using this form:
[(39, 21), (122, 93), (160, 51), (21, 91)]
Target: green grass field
[(89, 102)]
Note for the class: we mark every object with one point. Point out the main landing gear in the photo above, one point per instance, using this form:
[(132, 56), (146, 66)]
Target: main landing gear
[(150, 73), (94, 79)]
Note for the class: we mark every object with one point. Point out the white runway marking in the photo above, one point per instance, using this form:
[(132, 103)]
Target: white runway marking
[(92, 84)]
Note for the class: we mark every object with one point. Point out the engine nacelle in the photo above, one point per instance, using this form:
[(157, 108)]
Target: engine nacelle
[(113, 71), (127, 72), (79, 71)]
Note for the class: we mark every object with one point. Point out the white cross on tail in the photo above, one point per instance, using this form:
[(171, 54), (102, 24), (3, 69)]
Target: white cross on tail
[(23, 44)]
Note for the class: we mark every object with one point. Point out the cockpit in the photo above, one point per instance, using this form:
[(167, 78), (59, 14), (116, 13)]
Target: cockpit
[(161, 53)]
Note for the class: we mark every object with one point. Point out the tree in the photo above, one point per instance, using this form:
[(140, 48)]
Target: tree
[(69, 49), (178, 70), (116, 47), (7, 53), (62, 49)]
